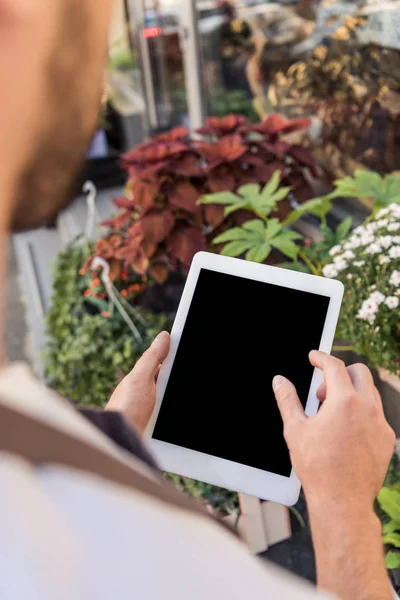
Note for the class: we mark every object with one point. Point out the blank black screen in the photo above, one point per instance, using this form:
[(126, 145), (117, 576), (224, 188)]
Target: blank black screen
[(238, 334)]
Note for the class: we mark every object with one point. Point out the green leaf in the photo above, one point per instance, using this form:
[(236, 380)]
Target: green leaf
[(390, 527), (230, 209), (236, 248), (318, 207), (343, 229), (272, 185), (273, 228), (236, 233), (220, 198), (255, 225), (392, 539), (392, 560), (259, 253), (284, 244), (281, 194), (249, 190), (392, 187), (389, 501)]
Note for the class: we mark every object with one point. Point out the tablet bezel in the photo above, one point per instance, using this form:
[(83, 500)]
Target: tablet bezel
[(219, 471)]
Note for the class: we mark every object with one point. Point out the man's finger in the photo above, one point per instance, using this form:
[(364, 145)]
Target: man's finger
[(335, 372), (287, 399), (321, 392), (148, 365)]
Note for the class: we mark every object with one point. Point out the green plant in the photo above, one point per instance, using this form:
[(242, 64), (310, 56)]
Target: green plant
[(228, 102), (258, 237), (389, 503), (88, 348), (368, 263), (223, 502), (368, 185)]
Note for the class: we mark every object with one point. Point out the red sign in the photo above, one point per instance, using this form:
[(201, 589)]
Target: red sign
[(152, 32)]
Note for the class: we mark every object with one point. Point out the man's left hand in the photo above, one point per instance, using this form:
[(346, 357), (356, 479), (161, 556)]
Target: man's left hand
[(135, 396)]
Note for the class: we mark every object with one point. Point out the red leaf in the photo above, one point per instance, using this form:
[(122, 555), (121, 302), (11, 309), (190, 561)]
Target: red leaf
[(221, 180), (223, 126), (303, 156), (148, 156), (157, 226), (159, 272), (265, 172), (188, 165), (184, 244), (140, 263), (144, 193), (115, 268), (149, 248), (278, 148), (277, 123), (117, 222), (185, 197), (225, 150), (214, 214), (176, 134), (122, 202)]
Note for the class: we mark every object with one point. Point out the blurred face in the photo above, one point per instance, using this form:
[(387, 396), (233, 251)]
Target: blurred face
[(52, 59)]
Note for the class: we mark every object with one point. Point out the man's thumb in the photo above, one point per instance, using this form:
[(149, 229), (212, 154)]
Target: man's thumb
[(288, 401), (149, 363)]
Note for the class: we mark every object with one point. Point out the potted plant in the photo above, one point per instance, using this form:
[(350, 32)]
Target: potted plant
[(161, 226)]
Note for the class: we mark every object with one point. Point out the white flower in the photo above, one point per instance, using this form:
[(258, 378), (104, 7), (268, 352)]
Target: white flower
[(395, 209), (383, 213), (359, 230), (393, 226), (372, 227), (392, 302), (374, 249), (396, 239), (348, 254), (385, 241), (377, 329), (359, 263), (383, 260), (368, 311), (353, 242), (349, 276), (382, 223), (366, 239), (377, 297), (395, 278), (335, 250), (340, 263), (329, 271), (372, 287), (394, 252)]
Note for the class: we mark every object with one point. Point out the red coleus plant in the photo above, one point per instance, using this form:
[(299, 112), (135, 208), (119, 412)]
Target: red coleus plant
[(160, 225)]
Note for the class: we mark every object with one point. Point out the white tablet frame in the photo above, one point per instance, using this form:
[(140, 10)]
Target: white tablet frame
[(219, 471)]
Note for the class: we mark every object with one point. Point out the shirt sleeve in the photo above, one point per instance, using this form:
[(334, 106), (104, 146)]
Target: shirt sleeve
[(114, 426)]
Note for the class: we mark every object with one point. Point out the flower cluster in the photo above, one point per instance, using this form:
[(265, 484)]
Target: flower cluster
[(368, 263)]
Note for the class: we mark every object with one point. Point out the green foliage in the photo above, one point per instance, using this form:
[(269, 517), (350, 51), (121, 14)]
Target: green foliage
[(121, 60), (388, 509), (319, 207), (223, 502), (85, 352), (228, 102), (369, 185), (257, 239), (317, 254), (251, 197)]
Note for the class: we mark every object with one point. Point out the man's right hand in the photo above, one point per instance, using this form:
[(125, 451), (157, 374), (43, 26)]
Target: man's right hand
[(344, 451), (341, 456)]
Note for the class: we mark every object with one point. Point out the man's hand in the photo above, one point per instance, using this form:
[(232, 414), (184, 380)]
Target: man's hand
[(135, 396), (341, 457)]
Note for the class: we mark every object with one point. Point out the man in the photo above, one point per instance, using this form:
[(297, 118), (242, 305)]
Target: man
[(89, 518)]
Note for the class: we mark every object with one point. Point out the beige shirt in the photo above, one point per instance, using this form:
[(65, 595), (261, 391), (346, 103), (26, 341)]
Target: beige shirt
[(70, 535)]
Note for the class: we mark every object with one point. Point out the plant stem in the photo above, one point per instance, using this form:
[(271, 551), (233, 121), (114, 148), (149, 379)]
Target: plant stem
[(261, 216), (308, 262), (342, 348), (298, 516)]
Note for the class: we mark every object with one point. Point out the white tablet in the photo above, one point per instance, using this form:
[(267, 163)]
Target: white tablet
[(238, 325)]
